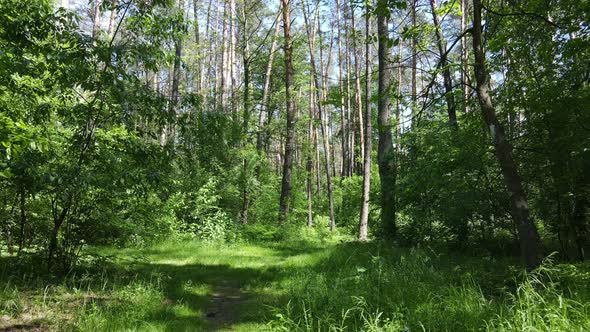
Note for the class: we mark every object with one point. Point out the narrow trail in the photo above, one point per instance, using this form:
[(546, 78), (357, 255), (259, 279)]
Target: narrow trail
[(223, 311)]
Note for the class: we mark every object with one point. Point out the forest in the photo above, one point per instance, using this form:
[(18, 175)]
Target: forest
[(294, 165)]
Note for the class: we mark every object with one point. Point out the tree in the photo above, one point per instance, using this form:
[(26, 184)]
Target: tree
[(323, 118), (385, 153), (530, 243), (291, 115), (364, 217)]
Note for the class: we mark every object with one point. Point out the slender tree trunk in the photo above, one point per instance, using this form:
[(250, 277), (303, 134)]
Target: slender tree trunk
[(343, 110), (58, 221), (357, 84), (232, 72), (318, 167), (364, 216), (8, 228), (530, 242), (323, 118), (290, 139), (224, 59), (414, 46), (23, 220), (448, 83), (350, 114), (309, 165), (398, 107), (246, 120), (386, 155), (112, 19), (465, 55), (210, 63), (199, 58), (96, 18), (174, 95), (262, 129)]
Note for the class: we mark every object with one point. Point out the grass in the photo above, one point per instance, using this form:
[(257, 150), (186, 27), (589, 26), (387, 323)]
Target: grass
[(294, 286)]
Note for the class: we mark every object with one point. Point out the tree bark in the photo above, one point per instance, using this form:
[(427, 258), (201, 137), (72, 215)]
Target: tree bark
[(364, 216), (386, 155), (291, 119), (309, 165), (357, 84), (414, 42), (530, 242), (246, 119), (465, 55)]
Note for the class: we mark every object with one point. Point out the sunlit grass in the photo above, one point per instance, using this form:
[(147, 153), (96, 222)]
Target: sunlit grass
[(297, 286)]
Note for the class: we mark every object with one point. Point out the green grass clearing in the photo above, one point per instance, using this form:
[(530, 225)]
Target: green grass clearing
[(295, 286)]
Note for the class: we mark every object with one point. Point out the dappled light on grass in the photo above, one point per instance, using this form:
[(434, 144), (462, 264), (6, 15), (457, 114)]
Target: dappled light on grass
[(296, 286)]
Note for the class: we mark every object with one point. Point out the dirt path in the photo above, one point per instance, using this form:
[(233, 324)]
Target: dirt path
[(223, 311)]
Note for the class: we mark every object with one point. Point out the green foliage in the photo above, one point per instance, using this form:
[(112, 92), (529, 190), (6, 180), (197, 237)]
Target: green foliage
[(199, 214)]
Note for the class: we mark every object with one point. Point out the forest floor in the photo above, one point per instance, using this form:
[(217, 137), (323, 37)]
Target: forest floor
[(331, 285), (186, 286)]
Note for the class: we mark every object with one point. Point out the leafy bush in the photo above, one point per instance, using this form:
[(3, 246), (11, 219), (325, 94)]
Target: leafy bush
[(199, 215)]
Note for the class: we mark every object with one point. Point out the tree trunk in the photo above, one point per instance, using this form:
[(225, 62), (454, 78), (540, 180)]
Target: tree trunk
[(530, 242), (385, 155), (96, 18), (112, 25), (343, 110), (174, 94), (414, 90), (8, 229), (309, 165), (23, 220), (199, 60), (464, 55), (246, 120), (364, 217), (448, 83), (357, 84), (58, 221), (323, 118), (262, 129), (290, 139)]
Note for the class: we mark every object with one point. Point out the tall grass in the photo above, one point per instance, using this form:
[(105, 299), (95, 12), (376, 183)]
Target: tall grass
[(307, 280), (369, 287)]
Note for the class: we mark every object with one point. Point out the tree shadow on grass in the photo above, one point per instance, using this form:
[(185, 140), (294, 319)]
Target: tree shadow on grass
[(197, 295)]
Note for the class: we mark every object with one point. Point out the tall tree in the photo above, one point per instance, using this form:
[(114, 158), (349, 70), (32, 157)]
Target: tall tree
[(246, 118), (464, 54), (530, 243), (291, 118), (96, 18), (263, 116), (444, 64), (174, 94), (364, 216), (385, 154), (323, 117), (343, 111), (414, 64)]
